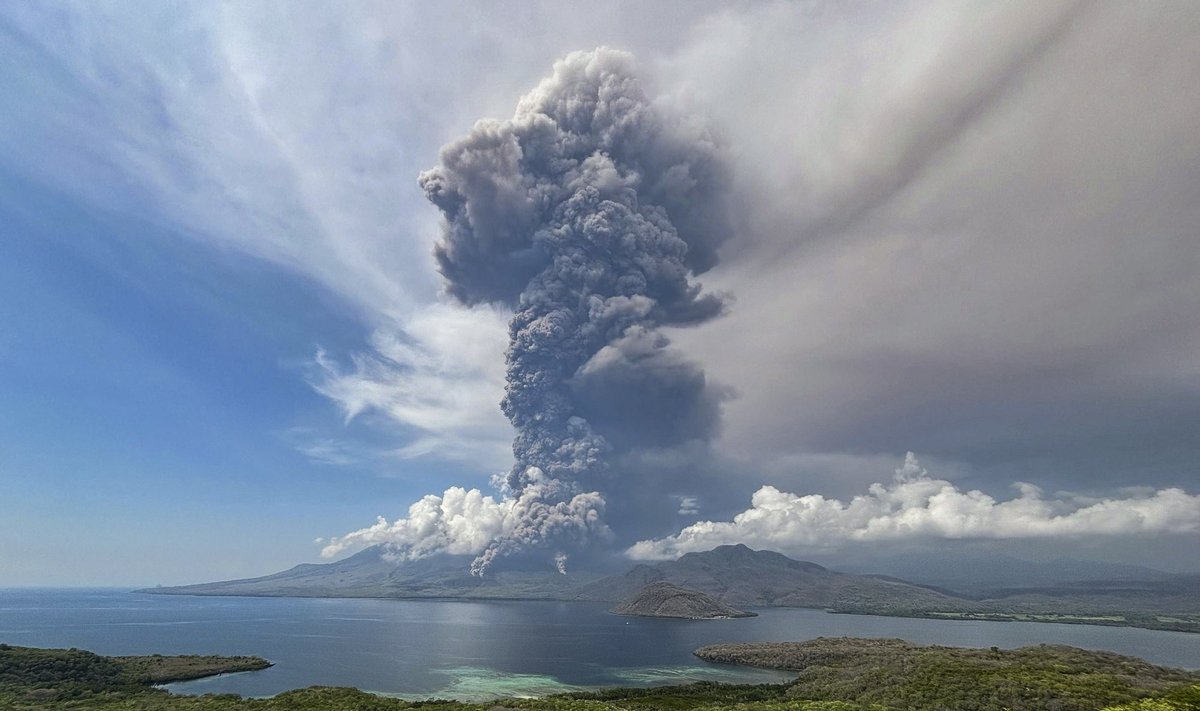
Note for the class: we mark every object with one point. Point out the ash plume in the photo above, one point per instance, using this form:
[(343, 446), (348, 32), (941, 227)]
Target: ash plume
[(587, 213)]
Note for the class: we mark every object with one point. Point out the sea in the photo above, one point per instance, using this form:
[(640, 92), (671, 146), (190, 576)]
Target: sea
[(472, 650)]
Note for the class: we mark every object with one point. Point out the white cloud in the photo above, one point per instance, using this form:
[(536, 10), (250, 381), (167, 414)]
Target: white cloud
[(443, 376), (467, 522), (460, 521), (328, 451), (231, 126), (219, 123), (917, 506)]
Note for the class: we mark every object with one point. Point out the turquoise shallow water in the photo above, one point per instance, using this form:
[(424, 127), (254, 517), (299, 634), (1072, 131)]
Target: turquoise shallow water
[(476, 650)]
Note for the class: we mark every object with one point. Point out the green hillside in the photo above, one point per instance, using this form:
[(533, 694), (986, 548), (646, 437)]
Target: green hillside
[(833, 675)]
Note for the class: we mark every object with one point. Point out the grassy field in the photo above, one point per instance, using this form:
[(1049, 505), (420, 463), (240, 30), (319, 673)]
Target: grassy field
[(833, 675)]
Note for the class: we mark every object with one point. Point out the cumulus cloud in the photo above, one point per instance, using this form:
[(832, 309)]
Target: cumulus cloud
[(915, 505), (467, 522)]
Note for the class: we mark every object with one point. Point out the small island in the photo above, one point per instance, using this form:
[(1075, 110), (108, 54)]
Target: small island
[(663, 599)]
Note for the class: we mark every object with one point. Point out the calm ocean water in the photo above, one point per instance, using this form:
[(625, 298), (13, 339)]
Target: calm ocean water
[(472, 650)]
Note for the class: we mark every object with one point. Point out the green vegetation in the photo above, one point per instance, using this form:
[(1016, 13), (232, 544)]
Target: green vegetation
[(158, 669), (73, 678), (1184, 699), (1172, 623), (834, 675), (896, 674)]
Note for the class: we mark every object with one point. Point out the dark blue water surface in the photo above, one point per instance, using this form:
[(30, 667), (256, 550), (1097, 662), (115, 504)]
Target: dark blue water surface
[(472, 650)]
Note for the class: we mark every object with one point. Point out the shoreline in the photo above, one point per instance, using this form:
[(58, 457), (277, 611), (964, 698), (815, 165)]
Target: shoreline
[(934, 676), (1188, 624)]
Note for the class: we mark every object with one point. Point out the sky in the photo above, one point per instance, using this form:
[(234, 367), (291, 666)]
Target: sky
[(909, 275)]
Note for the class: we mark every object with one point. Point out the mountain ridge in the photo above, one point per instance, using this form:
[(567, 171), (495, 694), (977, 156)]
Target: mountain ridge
[(732, 575), (736, 576), (664, 599)]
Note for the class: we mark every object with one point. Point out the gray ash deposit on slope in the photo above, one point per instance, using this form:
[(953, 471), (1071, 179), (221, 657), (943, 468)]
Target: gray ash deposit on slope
[(587, 213), (667, 600)]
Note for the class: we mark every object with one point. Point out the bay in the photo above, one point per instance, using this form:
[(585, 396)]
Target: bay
[(473, 650)]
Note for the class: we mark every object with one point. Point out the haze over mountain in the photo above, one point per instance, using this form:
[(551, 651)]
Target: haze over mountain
[(732, 575), (373, 572), (741, 577), (975, 572), (735, 576)]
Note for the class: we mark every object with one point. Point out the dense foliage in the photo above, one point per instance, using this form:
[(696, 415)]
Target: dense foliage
[(834, 675), (1044, 611), (73, 678), (895, 674)]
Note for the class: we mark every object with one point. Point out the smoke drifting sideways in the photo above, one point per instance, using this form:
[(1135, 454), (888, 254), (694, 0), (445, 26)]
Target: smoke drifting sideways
[(588, 213)]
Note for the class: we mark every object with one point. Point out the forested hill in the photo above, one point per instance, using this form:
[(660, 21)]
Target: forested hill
[(894, 674)]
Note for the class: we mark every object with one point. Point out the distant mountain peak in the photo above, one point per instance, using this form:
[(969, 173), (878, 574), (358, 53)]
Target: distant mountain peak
[(740, 553), (739, 576), (732, 575)]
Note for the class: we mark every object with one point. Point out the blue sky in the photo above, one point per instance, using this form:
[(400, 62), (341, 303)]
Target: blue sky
[(963, 231), (156, 400), (158, 409)]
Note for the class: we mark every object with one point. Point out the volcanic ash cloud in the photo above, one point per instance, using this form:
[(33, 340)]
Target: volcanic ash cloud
[(587, 213)]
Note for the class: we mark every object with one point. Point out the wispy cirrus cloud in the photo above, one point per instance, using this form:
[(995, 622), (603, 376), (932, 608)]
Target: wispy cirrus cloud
[(442, 378), (211, 120)]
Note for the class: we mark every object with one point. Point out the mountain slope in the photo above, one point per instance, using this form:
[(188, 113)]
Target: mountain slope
[(738, 576), (732, 575), (977, 573), (667, 600), (371, 573)]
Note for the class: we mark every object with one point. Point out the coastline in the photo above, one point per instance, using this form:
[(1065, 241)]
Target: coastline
[(828, 674), (1183, 622)]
